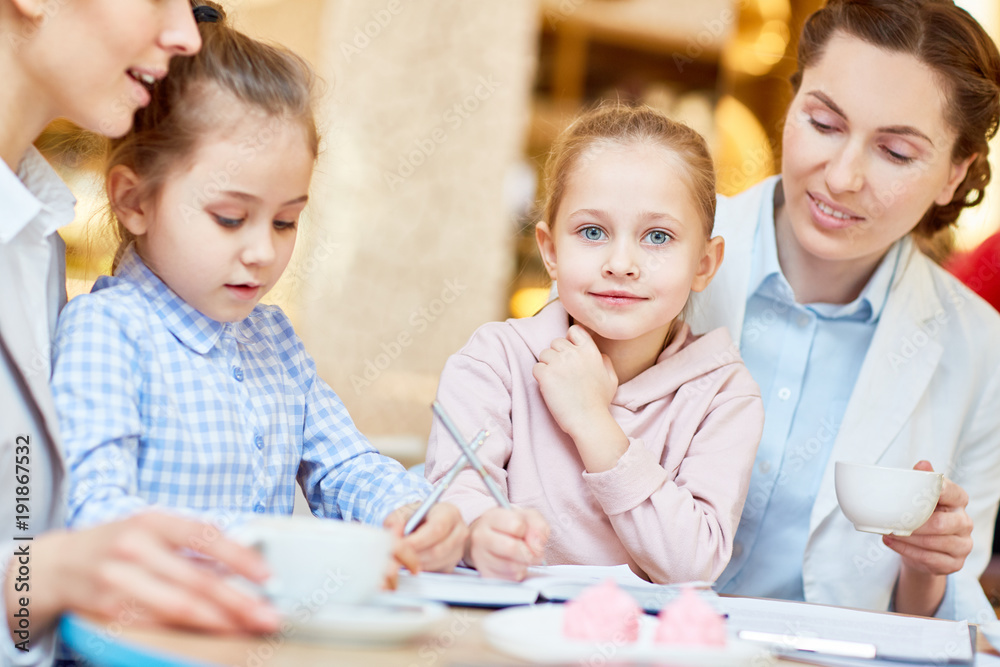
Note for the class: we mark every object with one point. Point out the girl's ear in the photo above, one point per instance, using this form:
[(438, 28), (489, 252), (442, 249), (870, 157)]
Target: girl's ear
[(709, 263), (125, 197), (546, 247)]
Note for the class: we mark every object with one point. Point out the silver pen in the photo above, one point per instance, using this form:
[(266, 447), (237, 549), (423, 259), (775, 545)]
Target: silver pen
[(443, 485), (471, 456), (812, 644)]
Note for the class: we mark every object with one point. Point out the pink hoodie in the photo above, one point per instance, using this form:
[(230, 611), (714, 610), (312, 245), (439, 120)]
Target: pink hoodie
[(672, 504)]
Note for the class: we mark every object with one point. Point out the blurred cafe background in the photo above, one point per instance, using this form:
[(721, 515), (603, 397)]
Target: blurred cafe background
[(436, 119)]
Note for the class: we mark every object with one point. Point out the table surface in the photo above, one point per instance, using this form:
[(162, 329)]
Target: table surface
[(458, 640)]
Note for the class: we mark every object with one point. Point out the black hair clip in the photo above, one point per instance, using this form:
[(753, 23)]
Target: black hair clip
[(206, 14)]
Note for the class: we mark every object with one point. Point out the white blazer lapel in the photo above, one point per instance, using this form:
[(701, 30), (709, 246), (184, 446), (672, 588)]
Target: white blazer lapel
[(37, 382), (901, 360)]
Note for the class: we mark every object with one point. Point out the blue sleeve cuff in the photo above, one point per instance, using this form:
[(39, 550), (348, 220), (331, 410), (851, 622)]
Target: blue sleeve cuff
[(946, 608)]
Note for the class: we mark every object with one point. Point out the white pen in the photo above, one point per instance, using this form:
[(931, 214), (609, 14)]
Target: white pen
[(813, 644)]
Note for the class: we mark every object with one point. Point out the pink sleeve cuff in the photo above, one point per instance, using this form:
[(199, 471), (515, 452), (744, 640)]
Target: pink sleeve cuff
[(637, 475)]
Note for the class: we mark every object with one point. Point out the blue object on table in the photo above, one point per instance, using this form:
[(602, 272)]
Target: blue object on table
[(98, 647)]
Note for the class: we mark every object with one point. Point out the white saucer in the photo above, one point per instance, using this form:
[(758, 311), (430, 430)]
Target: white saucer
[(535, 633), (387, 619)]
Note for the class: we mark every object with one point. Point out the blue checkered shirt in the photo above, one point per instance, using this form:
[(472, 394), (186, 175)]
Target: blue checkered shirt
[(161, 405)]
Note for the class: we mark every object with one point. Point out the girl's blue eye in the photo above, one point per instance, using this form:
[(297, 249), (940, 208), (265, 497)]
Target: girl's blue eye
[(227, 222), (592, 233), (657, 237), (281, 225)]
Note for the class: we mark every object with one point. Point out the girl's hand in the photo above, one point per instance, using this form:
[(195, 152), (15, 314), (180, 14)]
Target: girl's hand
[(935, 550), (135, 571), (576, 381), (578, 384), (503, 543), (439, 541)]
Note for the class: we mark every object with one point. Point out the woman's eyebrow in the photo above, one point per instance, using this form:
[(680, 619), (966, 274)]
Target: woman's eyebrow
[(905, 130)]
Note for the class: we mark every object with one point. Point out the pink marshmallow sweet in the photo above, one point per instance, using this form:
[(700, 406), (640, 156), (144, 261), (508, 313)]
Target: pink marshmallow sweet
[(602, 613), (690, 621)]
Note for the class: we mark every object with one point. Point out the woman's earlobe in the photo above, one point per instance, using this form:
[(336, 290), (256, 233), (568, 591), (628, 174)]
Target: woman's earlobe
[(125, 198)]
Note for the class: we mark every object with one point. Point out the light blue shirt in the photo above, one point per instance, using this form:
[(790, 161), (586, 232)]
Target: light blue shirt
[(806, 359), (161, 405)]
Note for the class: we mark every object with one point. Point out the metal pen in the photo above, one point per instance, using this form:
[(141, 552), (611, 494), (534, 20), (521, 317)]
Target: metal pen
[(443, 485), (471, 456)]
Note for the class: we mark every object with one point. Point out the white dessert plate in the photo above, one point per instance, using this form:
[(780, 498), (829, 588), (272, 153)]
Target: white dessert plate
[(535, 633), (387, 619)]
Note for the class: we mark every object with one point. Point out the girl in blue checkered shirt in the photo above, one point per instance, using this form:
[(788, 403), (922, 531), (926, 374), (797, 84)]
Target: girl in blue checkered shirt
[(174, 387)]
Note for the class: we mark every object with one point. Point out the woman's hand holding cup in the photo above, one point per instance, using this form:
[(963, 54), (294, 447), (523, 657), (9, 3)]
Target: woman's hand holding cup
[(936, 549)]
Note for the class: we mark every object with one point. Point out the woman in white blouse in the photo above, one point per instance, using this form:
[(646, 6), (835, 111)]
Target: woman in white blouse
[(89, 61)]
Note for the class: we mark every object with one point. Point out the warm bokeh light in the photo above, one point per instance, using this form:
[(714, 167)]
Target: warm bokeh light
[(528, 301), (743, 151)]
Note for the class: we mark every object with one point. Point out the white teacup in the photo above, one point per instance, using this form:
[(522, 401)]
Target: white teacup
[(888, 501), (317, 563)]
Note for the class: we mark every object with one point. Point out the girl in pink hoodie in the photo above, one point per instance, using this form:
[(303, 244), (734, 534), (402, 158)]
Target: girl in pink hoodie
[(617, 434)]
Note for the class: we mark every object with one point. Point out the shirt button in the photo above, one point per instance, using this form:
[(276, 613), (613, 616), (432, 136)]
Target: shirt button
[(765, 467), (784, 393), (803, 321), (238, 373), (258, 508), (259, 441)]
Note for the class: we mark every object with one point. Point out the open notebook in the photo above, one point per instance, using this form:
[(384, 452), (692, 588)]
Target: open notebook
[(555, 583)]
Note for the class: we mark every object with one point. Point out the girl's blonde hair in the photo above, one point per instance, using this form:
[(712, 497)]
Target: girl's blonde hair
[(167, 131), (625, 125)]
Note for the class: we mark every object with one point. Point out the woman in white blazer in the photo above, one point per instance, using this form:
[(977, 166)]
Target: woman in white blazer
[(865, 350), (85, 60)]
